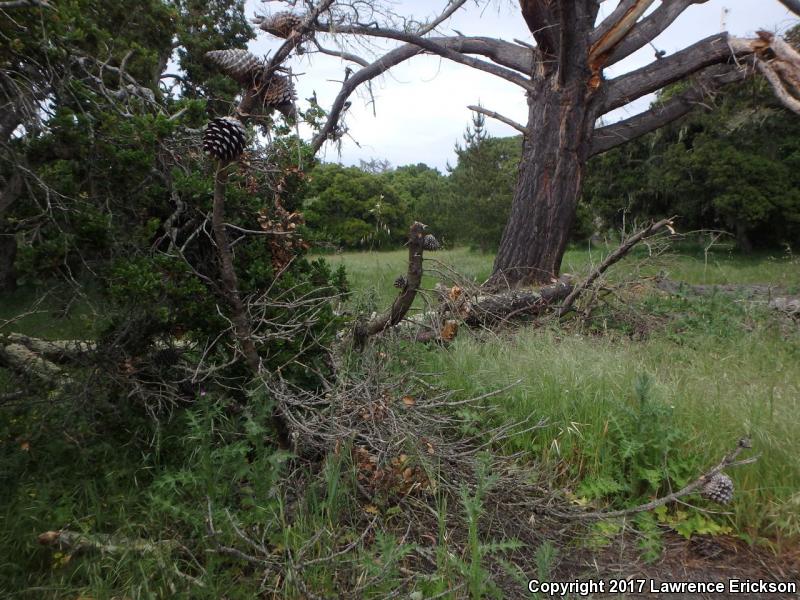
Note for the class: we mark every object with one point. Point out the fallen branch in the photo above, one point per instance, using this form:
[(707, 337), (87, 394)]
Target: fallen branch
[(611, 259), (726, 462), (20, 359), (404, 300), (57, 351), (504, 307), (74, 541)]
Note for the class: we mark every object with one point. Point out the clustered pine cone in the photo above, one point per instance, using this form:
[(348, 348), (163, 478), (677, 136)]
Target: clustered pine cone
[(240, 65), (279, 93), (281, 24), (719, 489), (224, 138), (401, 282), (274, 91), (430, 243)]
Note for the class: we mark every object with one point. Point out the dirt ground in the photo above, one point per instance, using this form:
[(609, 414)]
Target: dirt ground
[(707, 559)]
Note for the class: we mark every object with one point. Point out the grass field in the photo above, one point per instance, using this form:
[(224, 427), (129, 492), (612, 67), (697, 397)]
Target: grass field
[(374, 272), (720, 366)]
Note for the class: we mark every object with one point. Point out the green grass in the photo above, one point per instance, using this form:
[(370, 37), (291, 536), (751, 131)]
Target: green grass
[(374, 272), (56, 314), (720, 367)]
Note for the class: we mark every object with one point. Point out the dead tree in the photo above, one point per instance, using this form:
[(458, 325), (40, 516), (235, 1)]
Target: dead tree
[(563, 77)]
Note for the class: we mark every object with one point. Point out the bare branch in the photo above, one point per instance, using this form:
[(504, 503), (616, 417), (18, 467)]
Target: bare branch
[(381, 65), (616, 26), (662, 113), (771, 75), (503, 54), (611, 259), (230, 284), (341, 54), (490, 113), (453, 6), (21, 360), (57, 351), (648, 29), (719, 48), (780, 64), (397, 56), (404, 300), (75, 541)]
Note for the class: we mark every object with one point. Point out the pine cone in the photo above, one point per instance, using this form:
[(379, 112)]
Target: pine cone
[(401, 282), (239, 65), (224, 138), (281, 24), (279, 93), (430, 243), (719, 489)]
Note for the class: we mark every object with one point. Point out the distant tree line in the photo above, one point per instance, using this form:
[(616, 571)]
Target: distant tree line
[(734, 169), (370, 206)]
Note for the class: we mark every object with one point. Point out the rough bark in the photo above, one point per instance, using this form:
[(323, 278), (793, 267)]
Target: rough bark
[(561, 116), (554, 157), (515, 305)]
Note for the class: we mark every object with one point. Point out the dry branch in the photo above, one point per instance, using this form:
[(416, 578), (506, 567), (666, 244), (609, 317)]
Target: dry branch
[(74, 541), (611, 259), (663, 113), (516, 304), (494, 115), (456, 49), (616, 27), (404, 300), (728, 461), (649, 28), (715, 49), (21, 360), (58, 351)]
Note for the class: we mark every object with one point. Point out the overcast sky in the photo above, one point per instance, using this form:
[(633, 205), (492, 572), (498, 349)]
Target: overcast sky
[(421, 105)]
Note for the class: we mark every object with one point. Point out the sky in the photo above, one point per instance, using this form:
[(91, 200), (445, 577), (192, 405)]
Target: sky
[(420, 110)]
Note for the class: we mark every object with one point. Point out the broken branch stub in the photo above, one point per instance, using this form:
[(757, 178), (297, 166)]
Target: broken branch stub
[(404, 300)]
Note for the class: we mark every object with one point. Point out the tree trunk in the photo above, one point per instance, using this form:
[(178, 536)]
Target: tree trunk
[(743, 242), (561, 115), (554, 157)]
